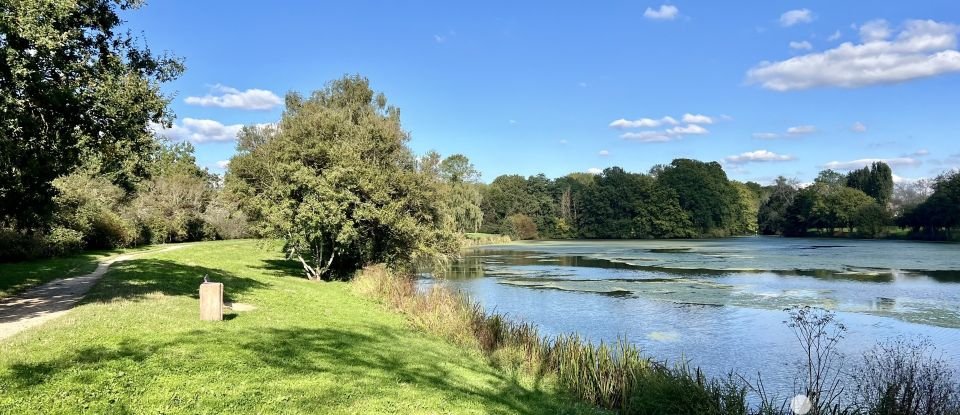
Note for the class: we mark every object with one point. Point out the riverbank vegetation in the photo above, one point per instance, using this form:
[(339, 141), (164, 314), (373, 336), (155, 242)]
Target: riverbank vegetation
[(899, 376)]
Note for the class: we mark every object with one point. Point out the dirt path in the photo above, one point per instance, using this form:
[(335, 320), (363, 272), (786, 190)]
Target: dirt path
[(55, 298)]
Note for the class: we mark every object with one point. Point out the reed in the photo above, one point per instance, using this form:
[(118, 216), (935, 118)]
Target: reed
[(612, 376)]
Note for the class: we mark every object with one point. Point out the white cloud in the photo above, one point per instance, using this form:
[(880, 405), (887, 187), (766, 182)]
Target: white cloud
[(803, 45), (223, 164), (858, 127), (198, 131), (643, 122), (757, 156), (512, 122), (793, 17), (669, 134), (439, 38), (801, 130), (856, 164), (923, 48), (563, 141), (665, 12), (875, 30), (919, 153), (697, 119), (251, 99), (594, 170), (603, 153), (687, 130), (648, 136), (766, 136), (835, 36)]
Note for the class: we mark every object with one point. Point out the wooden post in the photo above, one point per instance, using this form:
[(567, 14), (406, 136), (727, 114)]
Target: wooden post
[(211, 301)]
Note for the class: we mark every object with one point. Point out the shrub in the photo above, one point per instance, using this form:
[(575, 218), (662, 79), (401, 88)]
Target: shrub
[(903, 377), (63, 241), (109, 230), (522, 227), (16, 246)]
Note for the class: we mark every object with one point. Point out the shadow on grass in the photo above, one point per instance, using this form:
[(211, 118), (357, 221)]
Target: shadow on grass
[(282, 268), (138, 278), (368, 355)]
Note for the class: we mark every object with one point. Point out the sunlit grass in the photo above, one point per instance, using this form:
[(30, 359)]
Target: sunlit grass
[(137, 346)]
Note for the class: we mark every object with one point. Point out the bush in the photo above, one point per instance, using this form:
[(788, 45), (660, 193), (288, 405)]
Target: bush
[(522, 227), (15, 246), (63, 241), (872, 219), (109, 230), (902, 377)]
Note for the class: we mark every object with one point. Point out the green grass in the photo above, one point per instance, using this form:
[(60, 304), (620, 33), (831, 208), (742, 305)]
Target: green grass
[(136, 346), (18, 276)]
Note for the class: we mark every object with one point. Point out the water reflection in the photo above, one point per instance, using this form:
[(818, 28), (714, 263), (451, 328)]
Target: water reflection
[(719, 303)]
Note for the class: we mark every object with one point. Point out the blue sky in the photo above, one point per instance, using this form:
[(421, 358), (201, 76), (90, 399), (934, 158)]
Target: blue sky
[(765, 87)]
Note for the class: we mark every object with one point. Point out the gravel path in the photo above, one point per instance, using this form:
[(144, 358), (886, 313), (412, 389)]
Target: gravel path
[(55, 298)]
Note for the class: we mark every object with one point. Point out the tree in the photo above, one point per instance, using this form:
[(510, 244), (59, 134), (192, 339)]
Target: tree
[(748, 207), (337, 182), (875, 180), (871, 219), (704, 192), (74, 89), (522, 227), (909, 194), (772, 214), (461, 193)]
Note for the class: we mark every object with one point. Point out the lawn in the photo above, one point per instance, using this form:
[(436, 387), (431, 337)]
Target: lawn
[(19, 276), (136, 345)]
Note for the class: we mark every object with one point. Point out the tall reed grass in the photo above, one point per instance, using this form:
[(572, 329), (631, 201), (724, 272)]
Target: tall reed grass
[(612, 376)]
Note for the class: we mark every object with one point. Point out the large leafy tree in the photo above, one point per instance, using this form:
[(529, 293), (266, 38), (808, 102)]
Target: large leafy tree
[(704, 192), (777, 198), (74, 89), (337, 182)]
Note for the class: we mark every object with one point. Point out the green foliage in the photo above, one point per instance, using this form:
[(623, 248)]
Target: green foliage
[(522, 227), (938, 214), (338, 184), (827, 204), (875, 180), (88, 203), (74, 89), (748, 208), (704, 192), (460, 188), (872, 219), (63, 241), (772, 215)]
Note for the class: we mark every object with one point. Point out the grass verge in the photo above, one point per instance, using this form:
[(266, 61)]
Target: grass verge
[(136, 346), (17, 277)]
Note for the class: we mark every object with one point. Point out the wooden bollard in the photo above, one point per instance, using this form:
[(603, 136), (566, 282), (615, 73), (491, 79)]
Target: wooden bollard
[(211, 301)]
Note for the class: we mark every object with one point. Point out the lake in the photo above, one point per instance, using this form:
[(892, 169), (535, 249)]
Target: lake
[(719, 303)]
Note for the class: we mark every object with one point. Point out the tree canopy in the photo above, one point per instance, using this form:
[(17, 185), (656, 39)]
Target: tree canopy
[(74, 89), (336, 181)]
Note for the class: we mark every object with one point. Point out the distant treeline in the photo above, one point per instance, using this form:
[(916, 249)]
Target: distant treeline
[(690, 198)]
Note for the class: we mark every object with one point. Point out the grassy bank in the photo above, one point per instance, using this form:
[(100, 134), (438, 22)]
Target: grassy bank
[(478, 239), (136, 346)]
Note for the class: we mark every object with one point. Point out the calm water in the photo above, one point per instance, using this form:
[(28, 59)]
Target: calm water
[(719, 303)]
